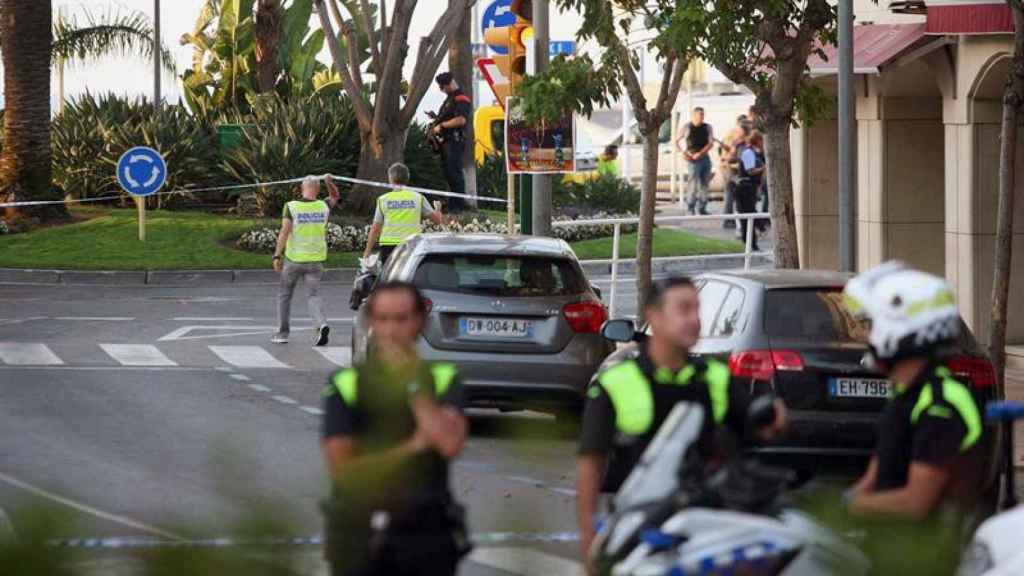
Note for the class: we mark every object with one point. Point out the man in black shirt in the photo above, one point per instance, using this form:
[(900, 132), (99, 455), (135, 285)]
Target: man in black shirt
[(450, 126), (699, 138), (633, 398), (928, 436), (390, 428)]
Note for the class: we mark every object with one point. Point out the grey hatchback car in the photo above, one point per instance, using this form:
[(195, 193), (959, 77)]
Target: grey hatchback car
[(516, 314)]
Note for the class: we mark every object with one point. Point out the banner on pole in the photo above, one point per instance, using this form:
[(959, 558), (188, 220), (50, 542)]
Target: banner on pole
[(547, 148)]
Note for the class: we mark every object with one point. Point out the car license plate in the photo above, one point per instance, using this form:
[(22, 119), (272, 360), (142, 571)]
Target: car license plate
[(500, 327), (858, 388)]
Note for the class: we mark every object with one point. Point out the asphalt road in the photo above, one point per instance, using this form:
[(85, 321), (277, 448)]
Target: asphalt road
[(148, 412)]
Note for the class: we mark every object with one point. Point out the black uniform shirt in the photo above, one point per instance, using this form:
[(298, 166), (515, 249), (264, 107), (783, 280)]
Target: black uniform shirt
[(937, 438), (380, 419), (601, 436), (456, 104)]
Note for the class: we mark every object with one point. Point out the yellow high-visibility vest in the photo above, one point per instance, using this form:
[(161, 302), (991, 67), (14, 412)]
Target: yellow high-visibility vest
[(308, 240), (402, 210)]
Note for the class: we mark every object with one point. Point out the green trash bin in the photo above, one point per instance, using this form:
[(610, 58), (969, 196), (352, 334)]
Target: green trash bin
[(230, 136)]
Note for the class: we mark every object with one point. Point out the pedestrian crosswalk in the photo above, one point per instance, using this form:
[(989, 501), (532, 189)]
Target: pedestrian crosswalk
[(274, 357)]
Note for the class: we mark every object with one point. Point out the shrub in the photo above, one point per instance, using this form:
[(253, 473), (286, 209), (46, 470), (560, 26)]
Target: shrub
[(339, 238), (424, 166), (92, 133), (4, 228), (492, 177), (605, 194)]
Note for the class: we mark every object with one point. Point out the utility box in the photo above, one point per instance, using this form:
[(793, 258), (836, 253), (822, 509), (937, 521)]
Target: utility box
[(230, 136)]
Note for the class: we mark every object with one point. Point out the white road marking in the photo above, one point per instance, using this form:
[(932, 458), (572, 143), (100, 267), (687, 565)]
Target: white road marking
[(525, 561), (259, 388), (137, 355), (87, 509), (28, 354), (311, 410), (240, 377), (95, 318), (338, 355), (212, 319), (208, 331), (284, 399), (247, 357)]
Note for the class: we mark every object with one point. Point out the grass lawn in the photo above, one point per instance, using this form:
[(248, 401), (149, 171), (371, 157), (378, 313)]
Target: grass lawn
[(108, 240), (667, 242)]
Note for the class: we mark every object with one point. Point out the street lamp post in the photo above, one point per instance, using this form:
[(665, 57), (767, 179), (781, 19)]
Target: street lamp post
[(156, 55), (847, 141), (541, 182)]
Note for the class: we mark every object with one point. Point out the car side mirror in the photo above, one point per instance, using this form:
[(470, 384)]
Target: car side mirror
[(619, 331), (597, 291)]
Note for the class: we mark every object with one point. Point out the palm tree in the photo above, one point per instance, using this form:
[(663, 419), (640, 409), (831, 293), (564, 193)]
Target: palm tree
[(29, 44), (269, 24)]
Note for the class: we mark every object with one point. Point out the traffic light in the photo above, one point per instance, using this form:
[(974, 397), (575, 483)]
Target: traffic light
[(513, 38)]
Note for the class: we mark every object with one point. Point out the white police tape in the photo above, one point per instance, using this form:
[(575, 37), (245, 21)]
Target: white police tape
[(117, 542), (425, 191)]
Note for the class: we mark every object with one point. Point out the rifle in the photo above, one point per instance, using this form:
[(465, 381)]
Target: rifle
[(434, 139)]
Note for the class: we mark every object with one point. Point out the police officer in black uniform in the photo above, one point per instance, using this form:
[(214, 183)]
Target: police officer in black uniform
[(927, 456), (390, 428), (633, 398), (450, 126)]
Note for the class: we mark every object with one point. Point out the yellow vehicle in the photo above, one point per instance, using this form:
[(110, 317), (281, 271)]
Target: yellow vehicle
[(489, 129)]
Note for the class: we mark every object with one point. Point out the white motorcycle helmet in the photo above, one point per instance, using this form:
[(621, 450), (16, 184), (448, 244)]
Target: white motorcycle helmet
[(912, 313)]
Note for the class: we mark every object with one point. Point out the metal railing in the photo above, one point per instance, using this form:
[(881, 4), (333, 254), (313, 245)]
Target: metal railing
[(748, 252)]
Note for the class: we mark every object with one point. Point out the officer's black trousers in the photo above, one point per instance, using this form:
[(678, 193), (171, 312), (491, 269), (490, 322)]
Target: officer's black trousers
[(746, 202), (406, 554), (451, 158)]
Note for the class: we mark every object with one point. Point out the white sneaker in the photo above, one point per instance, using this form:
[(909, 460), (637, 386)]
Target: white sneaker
[(279, 338), (322, 336)]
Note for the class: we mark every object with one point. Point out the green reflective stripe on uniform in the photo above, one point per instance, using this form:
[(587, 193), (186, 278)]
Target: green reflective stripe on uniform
[(924, 400), (443, 374), (939, 411), (717, 377), (940, 300), (402, 211), (308, 240), (684, 376), (960, 397), (630, 394), (663, 375), (346, 383)]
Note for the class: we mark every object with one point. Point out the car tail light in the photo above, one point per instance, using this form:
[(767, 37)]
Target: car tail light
[(585, 317), (428, 305), (977, 370), (762, 364)]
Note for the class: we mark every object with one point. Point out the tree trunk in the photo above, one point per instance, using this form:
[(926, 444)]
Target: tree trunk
[(1013, 98), (645, 234), (26, 38), (269, 20), (780, 187), (460, 64), (377, 153)]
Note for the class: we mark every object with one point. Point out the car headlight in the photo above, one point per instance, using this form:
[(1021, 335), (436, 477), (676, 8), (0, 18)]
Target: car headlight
[(976, 560)]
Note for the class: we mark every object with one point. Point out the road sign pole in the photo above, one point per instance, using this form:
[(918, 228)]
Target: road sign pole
[(156, 56), (140, 202), (541, 217)]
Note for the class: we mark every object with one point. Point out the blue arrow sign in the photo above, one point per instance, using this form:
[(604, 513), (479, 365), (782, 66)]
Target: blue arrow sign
[(497, 15), (141, 171), (556, 47)]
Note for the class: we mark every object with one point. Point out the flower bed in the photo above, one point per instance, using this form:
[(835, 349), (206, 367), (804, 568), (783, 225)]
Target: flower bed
[(349, 238)]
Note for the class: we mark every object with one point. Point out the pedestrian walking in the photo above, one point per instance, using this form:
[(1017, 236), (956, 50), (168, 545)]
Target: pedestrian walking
[(699, 138), (449, 128), (751, 172), (608, 163), (727, 160), (399, 215), (391, 427), (300, 254)]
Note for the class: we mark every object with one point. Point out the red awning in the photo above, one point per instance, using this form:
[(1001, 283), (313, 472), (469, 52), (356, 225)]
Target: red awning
[(969, 17), (874, 46)]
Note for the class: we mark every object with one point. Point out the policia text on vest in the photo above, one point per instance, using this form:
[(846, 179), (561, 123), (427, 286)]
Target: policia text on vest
[(301, 252), (399, 215)]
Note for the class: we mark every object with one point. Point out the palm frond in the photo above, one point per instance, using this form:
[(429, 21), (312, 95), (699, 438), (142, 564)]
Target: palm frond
[(111, 34)]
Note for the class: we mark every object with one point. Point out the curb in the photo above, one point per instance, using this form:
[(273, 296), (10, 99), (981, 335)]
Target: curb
[(157, 277)]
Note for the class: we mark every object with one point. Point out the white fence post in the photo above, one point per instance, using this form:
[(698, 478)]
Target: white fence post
[(749, 241), (615, 269)]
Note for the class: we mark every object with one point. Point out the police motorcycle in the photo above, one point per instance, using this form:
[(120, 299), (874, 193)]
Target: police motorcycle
[(672, 519), (995, 549)]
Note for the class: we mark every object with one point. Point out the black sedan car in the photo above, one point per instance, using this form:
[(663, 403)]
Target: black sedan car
[(788, 332)]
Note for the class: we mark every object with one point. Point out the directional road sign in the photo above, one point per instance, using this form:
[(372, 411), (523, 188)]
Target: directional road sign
[(497, 14), (141, 171)]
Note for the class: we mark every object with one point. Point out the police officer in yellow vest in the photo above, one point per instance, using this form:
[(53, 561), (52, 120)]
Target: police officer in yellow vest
[(399, 215), (301, 251), (391, 427), (631, 400)]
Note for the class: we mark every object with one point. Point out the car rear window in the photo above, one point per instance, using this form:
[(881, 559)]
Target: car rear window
[(812, 314), (509, 276)]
